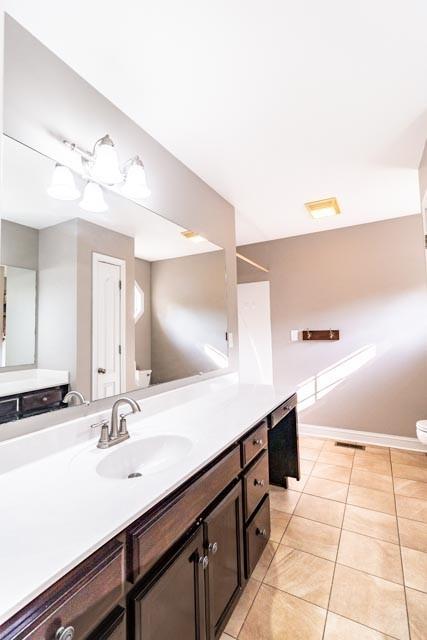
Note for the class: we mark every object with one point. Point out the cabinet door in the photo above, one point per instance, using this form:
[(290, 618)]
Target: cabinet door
[(223, 533), (170, 605), (283, 447)]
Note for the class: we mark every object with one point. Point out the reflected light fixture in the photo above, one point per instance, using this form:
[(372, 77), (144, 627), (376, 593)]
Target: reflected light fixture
[(193, 236), (93, 199), (63, 186), (135, 184), (104, 164), (323, 208)]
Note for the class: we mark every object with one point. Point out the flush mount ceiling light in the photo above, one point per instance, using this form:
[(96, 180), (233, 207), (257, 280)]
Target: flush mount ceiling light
[(93, 199), (323, 208), (63, 186), (193, 236)]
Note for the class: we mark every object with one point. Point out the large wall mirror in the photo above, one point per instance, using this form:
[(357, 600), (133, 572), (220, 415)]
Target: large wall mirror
[(100, 294)]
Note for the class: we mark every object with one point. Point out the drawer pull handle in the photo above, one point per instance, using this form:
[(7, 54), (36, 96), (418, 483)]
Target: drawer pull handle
[(261, 532), (213, 548), (258, 441), (259, 483), (65, 633), (203, 562)]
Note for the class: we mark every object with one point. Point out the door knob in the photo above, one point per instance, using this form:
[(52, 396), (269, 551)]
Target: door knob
[(102, 370), (65, 633)]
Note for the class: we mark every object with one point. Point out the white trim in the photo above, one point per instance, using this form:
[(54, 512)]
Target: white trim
[(100, 257), (361, 437)]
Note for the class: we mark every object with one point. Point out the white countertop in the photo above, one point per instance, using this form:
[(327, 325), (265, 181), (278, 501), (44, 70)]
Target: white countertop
[(56, 510), (13, 382)]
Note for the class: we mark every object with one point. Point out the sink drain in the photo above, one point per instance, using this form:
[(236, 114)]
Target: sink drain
[(135, 475)]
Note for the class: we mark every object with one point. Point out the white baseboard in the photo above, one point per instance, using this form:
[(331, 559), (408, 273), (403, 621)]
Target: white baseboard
[(361, 437)]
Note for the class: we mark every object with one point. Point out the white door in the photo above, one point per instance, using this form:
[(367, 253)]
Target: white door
[(108, 327), (255, 351)]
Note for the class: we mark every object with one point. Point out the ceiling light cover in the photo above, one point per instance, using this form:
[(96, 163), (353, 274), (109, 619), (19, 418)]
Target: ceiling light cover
[(193, 236), (323, 208), (135, 185), (63, 186), (93, 199), (105, 165)]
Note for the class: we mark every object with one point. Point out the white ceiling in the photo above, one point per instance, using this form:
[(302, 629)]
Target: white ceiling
[(26, 176), (273, 103)]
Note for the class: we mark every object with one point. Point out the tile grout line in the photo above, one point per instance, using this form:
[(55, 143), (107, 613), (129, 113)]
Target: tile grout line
[(401, 557), (336, 558)]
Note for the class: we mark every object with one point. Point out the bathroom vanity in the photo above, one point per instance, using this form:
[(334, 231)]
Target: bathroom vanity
[(178, 569)]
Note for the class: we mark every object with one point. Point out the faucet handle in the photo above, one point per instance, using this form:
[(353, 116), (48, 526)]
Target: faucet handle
[(101, 424), (123, 428)]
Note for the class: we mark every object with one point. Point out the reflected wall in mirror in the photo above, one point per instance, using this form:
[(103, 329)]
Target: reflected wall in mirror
[(125, 298), (18, 319)]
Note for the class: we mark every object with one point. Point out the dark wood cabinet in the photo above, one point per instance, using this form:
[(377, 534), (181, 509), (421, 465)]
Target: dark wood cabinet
[(223, 539), (176, 572), (283, 443), (24, 405), (170, 604)]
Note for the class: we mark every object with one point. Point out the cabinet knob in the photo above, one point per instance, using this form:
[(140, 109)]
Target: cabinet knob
[(261, 532), (259, 483), (203, 562), (65, 633), (213, 548), (258, 441), (45, 398)]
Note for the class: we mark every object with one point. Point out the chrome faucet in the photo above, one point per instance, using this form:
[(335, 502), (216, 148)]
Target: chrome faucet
[(80, 399), (118, 432)]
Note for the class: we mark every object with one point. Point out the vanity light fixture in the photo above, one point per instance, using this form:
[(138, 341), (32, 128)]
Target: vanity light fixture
[(93, 199), (63, 186), (193, 236), (104, 163), (323, 208), (135, 184)]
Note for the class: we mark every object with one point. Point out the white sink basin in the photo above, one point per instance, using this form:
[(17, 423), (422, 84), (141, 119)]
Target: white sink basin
[(144, 457)]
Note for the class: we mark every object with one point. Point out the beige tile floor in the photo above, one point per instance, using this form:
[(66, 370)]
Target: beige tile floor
[(347, 559)]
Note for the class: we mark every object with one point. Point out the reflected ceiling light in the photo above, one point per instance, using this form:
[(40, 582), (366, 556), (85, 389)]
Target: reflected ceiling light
[(104, 165), (93, 199), (323, 208), (193, 236), (63, 186), (135, 184)]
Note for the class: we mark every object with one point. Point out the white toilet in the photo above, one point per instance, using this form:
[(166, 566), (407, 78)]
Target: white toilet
[(422, 431), (143, 378)]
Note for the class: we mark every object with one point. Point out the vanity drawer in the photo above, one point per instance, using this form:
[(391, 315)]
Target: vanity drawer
[(149, 538), (283, 410), (9, 407), (255, 483), (254, 443), (257, 535), (113, 627), (80, 600), (44, 398)]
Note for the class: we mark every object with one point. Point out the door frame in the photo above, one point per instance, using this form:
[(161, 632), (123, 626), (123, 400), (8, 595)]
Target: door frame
[(96, 258)]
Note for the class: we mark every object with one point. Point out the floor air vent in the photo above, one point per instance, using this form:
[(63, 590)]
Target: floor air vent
[(348, 445)]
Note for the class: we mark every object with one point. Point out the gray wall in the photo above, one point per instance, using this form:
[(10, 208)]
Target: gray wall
[(19, 245), (143, 325), (57, 298), (46, 101), (188, 311), (369, 281), (92, 238)]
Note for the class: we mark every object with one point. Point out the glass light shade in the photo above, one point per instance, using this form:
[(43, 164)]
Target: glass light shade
[(135, 185), (105, 165), (63, 186), (93, 199)]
